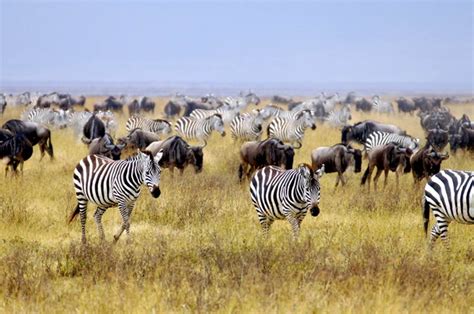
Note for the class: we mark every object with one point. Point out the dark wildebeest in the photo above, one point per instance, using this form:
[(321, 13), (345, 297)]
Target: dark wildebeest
[(270, 152), (178, 153), (94, 128), (438, 138), (426, 162), (172, 109), (15, 149), (427, 104), (133, 108), (147, 104), (105, 146), (390, 157), (363, 105), (193, 105), (405, 105), (281, 100), (138, 139), (440, 118), (337, 158), (48, 100), (34, 132), (110, 103), (3, 103), (77, 101), (360, 131)]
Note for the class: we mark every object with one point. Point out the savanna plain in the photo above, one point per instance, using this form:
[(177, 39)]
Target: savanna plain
[(198, 247)]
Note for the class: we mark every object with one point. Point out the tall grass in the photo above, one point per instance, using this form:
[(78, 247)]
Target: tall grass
[(198, 247)]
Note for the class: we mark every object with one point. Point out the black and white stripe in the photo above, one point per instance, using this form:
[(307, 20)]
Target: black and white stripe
[(339, 118), (450, 196), (285, 194), (291, 130), (108, 183), (159, 126), (247, 127), (227, 113), (199, 129), (379, 138)]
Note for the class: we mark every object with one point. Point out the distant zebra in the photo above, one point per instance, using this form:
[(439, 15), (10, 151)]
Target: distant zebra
[(380, 105), (339, 118), (379, 138), (227, 113), (199, 129), (108, 183), (291, 129), (156, 126), (450, 195), (247, 127), (285, 194)]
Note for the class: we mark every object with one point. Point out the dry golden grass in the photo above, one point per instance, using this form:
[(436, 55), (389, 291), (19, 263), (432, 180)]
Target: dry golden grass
[(198, 248)]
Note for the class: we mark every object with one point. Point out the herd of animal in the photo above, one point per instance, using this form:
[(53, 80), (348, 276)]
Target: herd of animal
[(278, 191)]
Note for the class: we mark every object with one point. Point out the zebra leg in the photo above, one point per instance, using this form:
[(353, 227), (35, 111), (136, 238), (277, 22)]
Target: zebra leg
[(443, 228), (435, 233), (295, 225), (83, 217), (265, 222), (124, 213), (98, 220), (129, 215)]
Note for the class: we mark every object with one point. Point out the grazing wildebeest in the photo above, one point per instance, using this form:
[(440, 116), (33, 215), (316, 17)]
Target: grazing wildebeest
[(178, 153), (133, 108), (462, 140), (405, 105), (281, 100), (337, 158), (193, 105), (427, 104), (77, 101), (94, 128), (147, 104), (34, 132), (438, 138), (15, 149), (139, 139), (363, 105), (360, 131), (426, 162), (105, 146), (110, 103), (257, 154), (172, 109), (390, 157), (440, 118), (48, 100)]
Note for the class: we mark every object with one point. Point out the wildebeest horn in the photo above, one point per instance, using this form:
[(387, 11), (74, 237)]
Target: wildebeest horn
[(432, 154), (121, 146)]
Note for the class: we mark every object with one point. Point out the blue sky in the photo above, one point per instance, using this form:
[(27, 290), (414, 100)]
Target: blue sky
[(426, 42)]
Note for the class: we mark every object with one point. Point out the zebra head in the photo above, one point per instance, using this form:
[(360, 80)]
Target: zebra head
[(307, 120), (312, 188), (217, 123), (151, 171)]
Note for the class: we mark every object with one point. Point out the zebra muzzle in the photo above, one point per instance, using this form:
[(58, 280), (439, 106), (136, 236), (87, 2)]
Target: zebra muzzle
[(314, 211), (155, 191), (223, 133)]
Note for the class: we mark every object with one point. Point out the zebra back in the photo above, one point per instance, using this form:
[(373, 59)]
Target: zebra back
[(379, 138)]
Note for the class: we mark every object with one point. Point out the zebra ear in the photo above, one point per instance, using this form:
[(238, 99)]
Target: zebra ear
[(304, 171)]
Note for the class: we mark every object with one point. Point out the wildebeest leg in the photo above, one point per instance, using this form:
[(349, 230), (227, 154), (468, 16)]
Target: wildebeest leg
[(171, 168), (42, 147), (385, 177), (376, 178), (125, 221), (98, 220), (337, 181)]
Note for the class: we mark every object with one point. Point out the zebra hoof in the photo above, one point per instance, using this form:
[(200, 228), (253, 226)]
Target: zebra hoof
[(314, 211)]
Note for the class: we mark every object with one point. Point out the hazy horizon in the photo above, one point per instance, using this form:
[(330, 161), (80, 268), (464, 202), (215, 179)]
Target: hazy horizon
[(385, 46)]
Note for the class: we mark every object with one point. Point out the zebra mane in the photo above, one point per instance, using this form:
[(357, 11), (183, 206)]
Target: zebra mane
[(162, 120)]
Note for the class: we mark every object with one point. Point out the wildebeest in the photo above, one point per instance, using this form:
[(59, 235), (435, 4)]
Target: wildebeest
[(94, 128), (3, 103), (178, 153), (147, 104), (363, 105), (34, 132), (441, 118), (337, 158), (360, 131), (463, 140), (426, 162), (105, 146), (405, 105), (110, 103), (138, 139), (257, 154), (15, 149), (438, 138), (281, 100), (48, 100), (427, 104), (390, 157)]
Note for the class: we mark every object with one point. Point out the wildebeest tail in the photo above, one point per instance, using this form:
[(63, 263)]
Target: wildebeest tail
[(74, 214), (50, 146), (426, 215), (268, 130), (364, 177)]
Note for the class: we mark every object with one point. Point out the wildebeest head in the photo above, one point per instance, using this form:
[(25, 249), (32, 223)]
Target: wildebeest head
[(438, 138), (432, 161), (115, 150), (151, 171), (346, 134), (198, 156), (312, 190)]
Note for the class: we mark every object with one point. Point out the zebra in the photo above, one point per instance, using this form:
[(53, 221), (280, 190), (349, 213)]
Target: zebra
[(339, 118), (149, 125), (227, 113), (77, 121), (291, 129), (285, 194), (450, 195), (108, 183), (247, 126), (379, 138), (381, 106), (200, 128), (47, 116)]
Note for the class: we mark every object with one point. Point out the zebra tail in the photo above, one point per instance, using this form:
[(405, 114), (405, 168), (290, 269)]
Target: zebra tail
[(73, 214), (364, 177), (426, 215)]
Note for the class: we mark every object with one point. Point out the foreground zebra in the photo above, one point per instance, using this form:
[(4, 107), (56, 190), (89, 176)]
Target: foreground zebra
[(247, 127), (285, 194), (379, 138), (149, 125), (200, 129), (291, 130), (450, 195), (108, 183)]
